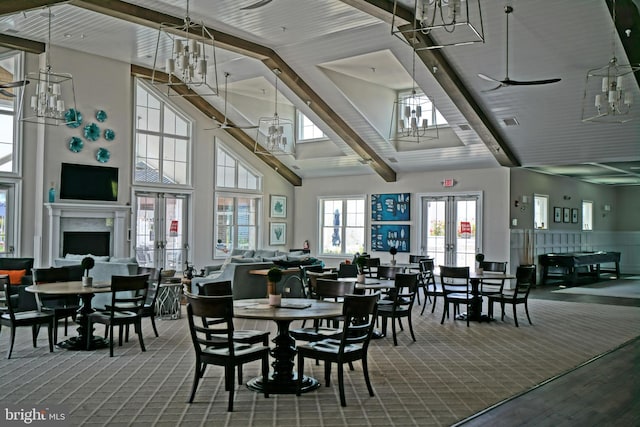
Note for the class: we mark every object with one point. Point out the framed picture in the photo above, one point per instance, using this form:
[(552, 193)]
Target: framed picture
[(566, 215), (557, 214), (574, 216), (277, 233), (385, 236), (391, 207), (278, 207)]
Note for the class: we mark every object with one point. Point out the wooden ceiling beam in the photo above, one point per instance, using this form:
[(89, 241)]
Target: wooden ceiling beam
[(451, 83), (208, 110), (11, 7), (25, 45)]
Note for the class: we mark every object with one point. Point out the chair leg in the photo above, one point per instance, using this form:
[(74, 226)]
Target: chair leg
[(55, 329), (444, 312), (468, 312), (384, 326), (120, 333), (196, 380), (13, 339), (343, 400), (433, 308), (239, 374), (232, 382), (34, 334), (365, 369), (265, 376), (515, 316), (111, 340), (50, 334), (300, 374), (411, 327), (327, 373), (138, 329), (153, 324), (393, 330), (526, 309), (66, 324)]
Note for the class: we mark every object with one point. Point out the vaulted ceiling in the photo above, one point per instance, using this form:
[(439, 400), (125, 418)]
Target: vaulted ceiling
[(341, 66)]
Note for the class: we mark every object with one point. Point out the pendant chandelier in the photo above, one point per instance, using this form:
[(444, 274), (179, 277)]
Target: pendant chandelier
[(445, 22), (192, 50), (275, 134), (53, 93), (608, 92)]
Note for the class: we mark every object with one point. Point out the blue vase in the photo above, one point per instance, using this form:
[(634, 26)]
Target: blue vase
[(52, 195)]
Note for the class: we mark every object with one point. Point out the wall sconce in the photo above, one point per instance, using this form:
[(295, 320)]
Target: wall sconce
[(607, 208), (522, 203), (566, 197)]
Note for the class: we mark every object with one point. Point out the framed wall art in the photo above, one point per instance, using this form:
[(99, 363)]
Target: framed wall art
[(566, 215), (278, 207), (385, 236), (391, 207), (277, 233), (557, 214), (574, 216)]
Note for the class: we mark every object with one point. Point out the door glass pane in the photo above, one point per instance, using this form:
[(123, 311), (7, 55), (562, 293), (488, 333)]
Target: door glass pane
[(435, 231), (465, 233), (174, 232), (145, 231), (224, 226)]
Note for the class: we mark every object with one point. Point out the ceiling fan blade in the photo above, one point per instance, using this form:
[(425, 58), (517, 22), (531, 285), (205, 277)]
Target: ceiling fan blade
[(7, 93), (491, 79), (256, 5), (495, 88), (14, 84), (533, 82)]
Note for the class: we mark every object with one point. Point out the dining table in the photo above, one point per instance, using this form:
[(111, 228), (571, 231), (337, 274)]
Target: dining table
[(283, 379), (475, 308), (86, 294)]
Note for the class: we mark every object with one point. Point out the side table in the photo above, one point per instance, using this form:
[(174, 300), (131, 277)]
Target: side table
[(168, 302)]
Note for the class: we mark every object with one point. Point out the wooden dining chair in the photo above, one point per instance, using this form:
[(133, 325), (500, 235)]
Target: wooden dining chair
[(226, 352), (490, 287), (359, 313), (404, 294), (427, 282), (525, 277), (456, 289)]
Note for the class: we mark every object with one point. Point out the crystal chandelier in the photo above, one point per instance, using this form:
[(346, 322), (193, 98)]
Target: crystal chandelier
[(275, 134), (53, 93), (446, 22), (192, 48), (608, 92)]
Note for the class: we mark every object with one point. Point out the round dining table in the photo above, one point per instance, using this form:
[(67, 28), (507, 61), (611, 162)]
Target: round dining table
[(86, 294), (283, 379)]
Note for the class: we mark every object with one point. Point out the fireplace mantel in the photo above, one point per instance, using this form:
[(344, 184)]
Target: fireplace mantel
[(118, 214)]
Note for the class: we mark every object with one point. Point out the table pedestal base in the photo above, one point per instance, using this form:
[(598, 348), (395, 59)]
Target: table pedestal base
[(76, 343), (82, 318), (282, 387)]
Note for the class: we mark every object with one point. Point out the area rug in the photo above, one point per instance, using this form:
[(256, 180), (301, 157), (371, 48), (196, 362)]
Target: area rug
[(623, 288)]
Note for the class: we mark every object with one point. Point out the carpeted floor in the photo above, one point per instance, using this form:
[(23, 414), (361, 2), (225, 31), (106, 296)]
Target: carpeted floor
[(622, 288), (450, 373)]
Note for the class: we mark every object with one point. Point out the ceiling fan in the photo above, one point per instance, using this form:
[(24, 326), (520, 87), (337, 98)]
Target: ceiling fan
[(10, 85), (225, 124), (256, 5), (507, 81)]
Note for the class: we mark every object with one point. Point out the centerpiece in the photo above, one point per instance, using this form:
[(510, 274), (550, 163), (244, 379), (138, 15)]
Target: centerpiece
[(274, 275), (393, 251), (361, 262), (87, 264), (479, 258)]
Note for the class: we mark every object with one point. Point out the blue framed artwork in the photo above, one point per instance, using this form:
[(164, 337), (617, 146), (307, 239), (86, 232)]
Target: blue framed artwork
[(383, 237), (390, 207)]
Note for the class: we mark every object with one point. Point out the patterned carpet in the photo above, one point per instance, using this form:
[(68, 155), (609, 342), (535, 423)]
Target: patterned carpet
[(450, 373)]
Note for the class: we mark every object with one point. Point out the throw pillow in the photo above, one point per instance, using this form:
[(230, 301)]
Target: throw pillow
[(129, 260), (15, 276)]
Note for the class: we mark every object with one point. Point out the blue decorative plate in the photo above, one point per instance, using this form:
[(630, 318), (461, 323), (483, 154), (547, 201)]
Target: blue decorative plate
[(75, 144), (101, 115), (92, 132), (73, 118), (103, 155), (109, 134)]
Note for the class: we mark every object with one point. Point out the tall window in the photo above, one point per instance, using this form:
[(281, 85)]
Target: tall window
[(307, 130), (587, 215), (540, 211), (342, 225), (428, 109), (9, 71), (236, 215), (163, 141)]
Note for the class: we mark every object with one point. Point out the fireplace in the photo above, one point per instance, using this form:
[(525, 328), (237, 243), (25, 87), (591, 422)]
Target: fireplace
[(86, 242)]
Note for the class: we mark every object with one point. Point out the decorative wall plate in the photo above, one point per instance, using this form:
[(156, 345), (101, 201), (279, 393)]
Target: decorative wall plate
[(73, 118), (109, 134), (92, 132), (103, 155), (101, 115), (75, 144)]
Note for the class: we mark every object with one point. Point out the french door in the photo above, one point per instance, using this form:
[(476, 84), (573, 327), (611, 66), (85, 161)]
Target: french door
[(161, 230), (451, 228)]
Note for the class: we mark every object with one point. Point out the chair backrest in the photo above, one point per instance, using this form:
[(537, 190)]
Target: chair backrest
[(215, 288), (495, 266), (415, 259), (426, 266), (371, 267), (57, 274), (216, 316), (328, 288), (525, 277), (389, 272), (155, 277), (454, 279), (128, 293), (406, 287), (4, 282), (313, 281), (360, 312), (347, 270)]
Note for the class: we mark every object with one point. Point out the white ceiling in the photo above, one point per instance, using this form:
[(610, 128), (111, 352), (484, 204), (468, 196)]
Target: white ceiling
[(323, 39)]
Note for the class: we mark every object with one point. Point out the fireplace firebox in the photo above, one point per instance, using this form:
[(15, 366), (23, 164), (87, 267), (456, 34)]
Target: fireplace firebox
[(86, 242)]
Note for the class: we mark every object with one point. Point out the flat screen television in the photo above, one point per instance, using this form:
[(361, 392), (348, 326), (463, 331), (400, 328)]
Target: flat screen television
[(86, 182)]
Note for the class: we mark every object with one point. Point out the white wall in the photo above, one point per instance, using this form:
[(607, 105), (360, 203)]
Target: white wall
[(494, 183)]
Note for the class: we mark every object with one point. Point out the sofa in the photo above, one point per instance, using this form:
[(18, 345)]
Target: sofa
[(19, 271), (240, 262), (104, 268)]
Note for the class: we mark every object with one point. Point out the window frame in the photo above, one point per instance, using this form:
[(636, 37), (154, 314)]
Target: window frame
[(583, 226), (546, 211), (16, 151), (403, 95), (343, 226), (162, 136), (237, 162), (300, 116)]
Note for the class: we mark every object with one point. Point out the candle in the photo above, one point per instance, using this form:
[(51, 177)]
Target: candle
[(598, 100), (60, 106), (171, 65), (605, 84)]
